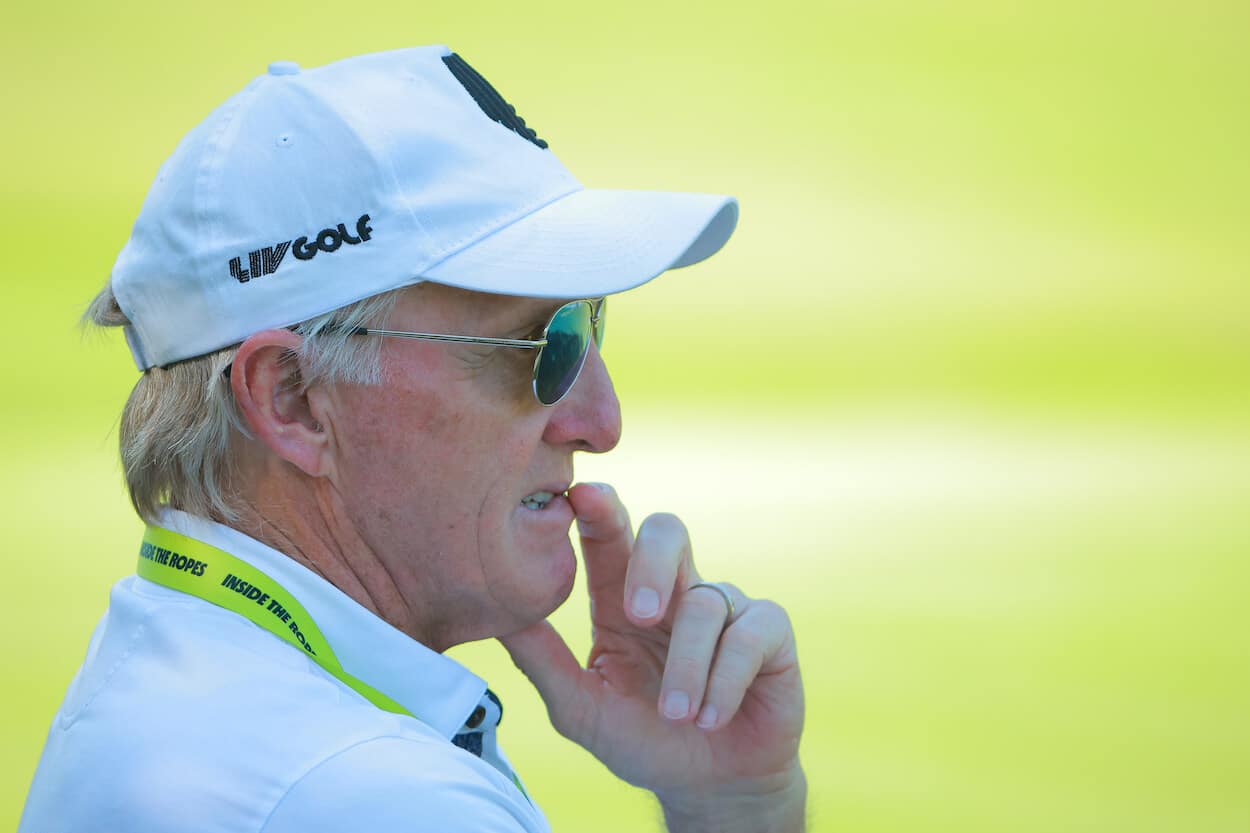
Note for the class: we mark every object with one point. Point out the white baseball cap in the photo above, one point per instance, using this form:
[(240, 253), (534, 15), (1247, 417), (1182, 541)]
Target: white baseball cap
[(310, 190)]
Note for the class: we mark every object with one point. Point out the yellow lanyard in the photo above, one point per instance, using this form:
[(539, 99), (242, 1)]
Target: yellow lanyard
[(193, 567)]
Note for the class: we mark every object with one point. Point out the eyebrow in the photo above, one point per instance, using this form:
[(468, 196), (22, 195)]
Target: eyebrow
[(532, 318)]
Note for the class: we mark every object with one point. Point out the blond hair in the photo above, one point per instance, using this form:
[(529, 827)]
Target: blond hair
[(181, 425)]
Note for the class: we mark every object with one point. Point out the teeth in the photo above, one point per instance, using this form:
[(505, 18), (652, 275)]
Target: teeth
[(537, 500)]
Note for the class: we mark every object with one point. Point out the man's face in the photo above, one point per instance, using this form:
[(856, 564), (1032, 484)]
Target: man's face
[(436, 466)]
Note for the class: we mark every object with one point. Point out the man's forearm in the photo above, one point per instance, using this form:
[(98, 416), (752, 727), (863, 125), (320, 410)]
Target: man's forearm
[(778, 807)]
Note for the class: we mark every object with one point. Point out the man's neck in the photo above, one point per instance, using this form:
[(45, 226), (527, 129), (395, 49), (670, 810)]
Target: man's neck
[(305, 520)]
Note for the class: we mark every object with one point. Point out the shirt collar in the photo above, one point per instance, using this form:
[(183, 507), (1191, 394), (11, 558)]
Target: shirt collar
[(441, 692)]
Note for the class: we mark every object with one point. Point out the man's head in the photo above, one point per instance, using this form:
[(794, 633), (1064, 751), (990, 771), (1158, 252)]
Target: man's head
[(394, 191), (447, 469)]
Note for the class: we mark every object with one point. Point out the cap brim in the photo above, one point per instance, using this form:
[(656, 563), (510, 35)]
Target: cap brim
[(591, 243)]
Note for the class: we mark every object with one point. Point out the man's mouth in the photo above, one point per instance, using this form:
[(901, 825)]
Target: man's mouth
[(539, 500)]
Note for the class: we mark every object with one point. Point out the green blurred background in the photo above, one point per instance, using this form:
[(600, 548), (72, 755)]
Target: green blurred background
[(967, 392)]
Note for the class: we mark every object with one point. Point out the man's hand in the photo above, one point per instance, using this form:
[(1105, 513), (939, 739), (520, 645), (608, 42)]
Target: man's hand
[(702, 710)]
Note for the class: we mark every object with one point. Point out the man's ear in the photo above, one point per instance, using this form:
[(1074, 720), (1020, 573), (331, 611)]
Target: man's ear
[(270, 392)]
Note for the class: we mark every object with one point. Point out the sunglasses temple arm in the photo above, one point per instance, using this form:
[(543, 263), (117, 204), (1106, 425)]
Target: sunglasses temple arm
[(529, 344)]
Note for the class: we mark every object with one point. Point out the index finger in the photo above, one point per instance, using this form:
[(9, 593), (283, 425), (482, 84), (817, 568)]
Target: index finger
[(606, 535)]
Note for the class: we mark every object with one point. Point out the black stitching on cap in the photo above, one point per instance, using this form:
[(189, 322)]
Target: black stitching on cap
[(489, 99)]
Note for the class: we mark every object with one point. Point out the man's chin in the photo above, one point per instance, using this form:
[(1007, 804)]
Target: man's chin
[(566, 589), (560, 568), (541, 611), (564, 574)]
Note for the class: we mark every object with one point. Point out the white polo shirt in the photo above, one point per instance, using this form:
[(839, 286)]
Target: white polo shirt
[(187, 717)]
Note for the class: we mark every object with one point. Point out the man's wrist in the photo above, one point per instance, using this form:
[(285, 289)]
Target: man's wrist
[(776, 804)]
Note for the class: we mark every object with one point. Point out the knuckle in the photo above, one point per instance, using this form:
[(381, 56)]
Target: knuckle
[(765, 613), (618, 518), (725, 682), (684, 668), (744, 639), (771, 607), (775, 614), (610, 526)]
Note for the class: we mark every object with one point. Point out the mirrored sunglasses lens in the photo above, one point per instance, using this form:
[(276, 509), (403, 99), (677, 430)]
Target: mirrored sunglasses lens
[(568, 338)]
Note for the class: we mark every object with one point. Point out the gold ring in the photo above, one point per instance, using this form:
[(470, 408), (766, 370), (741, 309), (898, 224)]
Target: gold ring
[(724, 594)]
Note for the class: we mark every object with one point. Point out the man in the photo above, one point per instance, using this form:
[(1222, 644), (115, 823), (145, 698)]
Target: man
[(368, 302)]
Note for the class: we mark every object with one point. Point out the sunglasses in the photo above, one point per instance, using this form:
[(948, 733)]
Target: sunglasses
[(561, 351)]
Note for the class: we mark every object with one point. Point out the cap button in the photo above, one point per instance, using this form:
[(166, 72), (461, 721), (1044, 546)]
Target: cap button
[(284, 68)]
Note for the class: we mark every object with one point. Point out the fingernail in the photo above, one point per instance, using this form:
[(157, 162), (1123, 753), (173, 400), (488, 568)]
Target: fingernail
[(676, 704), (603, 487), (707, 717), (646, 603)]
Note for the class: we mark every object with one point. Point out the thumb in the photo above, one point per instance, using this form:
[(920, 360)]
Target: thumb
[(544, 657)]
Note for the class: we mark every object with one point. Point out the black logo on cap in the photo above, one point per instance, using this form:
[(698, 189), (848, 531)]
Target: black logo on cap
[(489, 99), (267, 260)]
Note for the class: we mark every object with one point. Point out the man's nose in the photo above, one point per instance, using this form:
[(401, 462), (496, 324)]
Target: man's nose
[(589, 416)]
